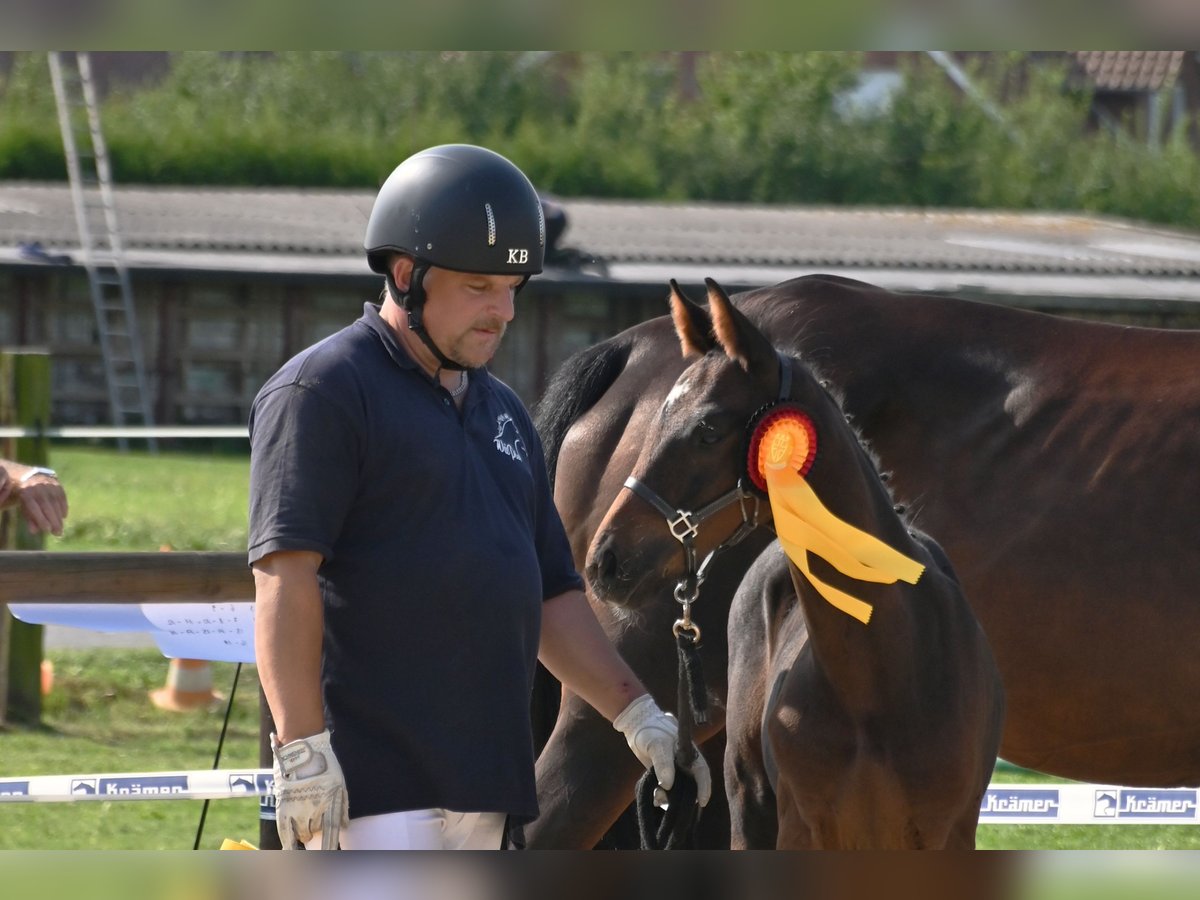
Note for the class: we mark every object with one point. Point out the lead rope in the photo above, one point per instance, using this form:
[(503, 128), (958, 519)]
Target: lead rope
[(675, 827)]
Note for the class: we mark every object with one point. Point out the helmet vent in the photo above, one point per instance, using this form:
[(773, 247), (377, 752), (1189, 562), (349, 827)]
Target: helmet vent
[(487, 207)]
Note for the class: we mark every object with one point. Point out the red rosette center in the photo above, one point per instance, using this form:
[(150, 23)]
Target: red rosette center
[(783, 429)]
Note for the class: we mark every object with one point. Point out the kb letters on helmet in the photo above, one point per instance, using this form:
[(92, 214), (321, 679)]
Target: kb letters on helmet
[(517, 256)]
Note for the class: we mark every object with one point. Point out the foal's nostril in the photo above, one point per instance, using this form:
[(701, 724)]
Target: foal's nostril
[(606, 564), (601, 563)]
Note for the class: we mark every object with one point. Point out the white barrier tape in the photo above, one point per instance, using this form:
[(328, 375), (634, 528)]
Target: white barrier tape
[(1003, 804), (214, 784), (126, 431), (1087, 804)]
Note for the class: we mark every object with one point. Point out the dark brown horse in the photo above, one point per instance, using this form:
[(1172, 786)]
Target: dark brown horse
[(841, 733), (1055, 461)]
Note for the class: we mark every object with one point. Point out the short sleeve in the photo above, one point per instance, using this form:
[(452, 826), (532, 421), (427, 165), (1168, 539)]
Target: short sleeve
[(304, 471)]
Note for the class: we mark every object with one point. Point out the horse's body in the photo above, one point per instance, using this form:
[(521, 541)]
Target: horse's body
[(870, 735), (1056, 461), (806, 770)]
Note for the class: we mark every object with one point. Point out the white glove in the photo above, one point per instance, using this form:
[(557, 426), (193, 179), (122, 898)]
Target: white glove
[(310, 792), (651, 733)]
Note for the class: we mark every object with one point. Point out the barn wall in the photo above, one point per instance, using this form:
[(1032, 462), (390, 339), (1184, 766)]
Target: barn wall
[(209, 343)]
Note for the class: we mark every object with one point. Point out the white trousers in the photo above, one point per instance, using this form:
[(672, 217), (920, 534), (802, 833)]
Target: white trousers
[(422, 829)]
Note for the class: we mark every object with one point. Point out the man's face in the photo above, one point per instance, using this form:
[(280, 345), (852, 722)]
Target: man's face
[(466, 314)]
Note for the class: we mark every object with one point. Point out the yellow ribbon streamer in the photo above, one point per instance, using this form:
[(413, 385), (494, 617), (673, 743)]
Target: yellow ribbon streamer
[(804, 525)]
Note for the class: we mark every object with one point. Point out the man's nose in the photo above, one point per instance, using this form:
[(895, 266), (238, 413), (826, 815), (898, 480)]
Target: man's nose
[(504, 303)]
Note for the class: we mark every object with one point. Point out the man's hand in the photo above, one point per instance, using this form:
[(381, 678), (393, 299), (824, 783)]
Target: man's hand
[(42, 499), (310, 792), (651, 733)]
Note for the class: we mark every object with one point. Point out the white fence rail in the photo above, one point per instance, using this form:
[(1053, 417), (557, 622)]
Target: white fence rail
[(1087, 804), (126, 431), (1003, 804), (205, 784)]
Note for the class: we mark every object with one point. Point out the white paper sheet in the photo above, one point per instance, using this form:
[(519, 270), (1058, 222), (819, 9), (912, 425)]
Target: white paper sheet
[(220, 632), (107, 617)]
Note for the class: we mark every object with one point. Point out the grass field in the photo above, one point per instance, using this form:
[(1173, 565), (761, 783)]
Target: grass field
[(98, 717), (139, 501)]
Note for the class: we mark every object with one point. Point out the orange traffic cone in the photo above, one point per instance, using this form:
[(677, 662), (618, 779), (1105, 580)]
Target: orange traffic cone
[(189, 686)]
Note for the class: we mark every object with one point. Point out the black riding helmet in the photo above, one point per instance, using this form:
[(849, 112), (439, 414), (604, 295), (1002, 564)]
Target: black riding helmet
[(457, 207)]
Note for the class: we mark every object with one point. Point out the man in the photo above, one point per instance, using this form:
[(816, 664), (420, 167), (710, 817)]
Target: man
[(37, 491), (409, 563)]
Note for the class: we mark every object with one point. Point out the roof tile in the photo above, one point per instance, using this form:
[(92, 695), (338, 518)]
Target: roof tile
[(1130, 70)]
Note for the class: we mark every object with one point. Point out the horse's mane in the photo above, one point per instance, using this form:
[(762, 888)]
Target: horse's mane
[(572, 391)]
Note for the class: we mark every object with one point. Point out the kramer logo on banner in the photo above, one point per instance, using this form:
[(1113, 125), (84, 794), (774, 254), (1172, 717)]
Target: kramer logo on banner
[(1041, 803), (1145, 803), (148, 784)]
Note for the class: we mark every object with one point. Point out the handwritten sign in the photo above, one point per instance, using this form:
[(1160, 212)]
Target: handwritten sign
[(221, 632)]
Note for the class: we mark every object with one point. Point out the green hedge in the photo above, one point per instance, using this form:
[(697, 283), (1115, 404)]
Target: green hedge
[(764, 127)]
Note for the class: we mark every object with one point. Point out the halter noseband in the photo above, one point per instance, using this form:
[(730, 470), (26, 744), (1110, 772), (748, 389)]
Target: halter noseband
[(685, 525)]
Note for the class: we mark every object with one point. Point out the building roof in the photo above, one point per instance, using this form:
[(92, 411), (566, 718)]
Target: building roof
[(1129, 70), (319, 232)]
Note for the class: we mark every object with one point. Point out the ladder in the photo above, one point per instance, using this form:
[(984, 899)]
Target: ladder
[(100, 241)]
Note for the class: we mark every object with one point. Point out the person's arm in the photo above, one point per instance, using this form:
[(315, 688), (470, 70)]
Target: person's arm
[(288, 631), (578, 653), (42, 498), (289, 627)]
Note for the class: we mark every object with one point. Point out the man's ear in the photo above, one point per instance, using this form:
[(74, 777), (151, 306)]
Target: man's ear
[(402, 267)]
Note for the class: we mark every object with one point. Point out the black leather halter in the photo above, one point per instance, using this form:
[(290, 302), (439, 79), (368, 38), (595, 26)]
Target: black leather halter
[(685, 525)]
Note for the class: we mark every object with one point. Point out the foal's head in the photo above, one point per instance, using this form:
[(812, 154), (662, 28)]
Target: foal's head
[(695, 452)]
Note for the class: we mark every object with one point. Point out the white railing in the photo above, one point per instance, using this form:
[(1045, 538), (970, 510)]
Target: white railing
[(126, 431), (1003, 804)]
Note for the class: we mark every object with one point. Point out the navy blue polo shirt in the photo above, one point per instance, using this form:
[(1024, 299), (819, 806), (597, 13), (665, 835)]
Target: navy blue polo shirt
[(440, 541)]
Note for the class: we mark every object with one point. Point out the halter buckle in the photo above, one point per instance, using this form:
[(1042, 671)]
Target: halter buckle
[(682, 526)]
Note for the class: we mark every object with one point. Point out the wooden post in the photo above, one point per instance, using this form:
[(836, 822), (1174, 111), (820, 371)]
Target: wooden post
[(24, 400)]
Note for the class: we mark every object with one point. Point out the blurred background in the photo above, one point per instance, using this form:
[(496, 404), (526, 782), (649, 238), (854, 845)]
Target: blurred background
[(1066, 181)]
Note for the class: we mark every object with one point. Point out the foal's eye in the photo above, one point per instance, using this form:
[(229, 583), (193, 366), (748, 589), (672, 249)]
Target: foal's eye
[(706, 433)]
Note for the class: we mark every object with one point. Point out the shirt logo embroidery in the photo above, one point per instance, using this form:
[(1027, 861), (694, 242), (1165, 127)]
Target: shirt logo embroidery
[(508, 440)]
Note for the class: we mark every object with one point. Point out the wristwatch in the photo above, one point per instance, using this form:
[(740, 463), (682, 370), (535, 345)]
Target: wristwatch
[(37, 470)]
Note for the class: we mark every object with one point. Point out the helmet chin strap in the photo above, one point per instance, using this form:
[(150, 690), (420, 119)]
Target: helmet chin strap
[(413, 303)]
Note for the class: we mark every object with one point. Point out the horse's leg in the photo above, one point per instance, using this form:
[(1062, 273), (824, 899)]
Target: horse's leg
[(712, 832), (586, 776), (962, 832), (753, 818)]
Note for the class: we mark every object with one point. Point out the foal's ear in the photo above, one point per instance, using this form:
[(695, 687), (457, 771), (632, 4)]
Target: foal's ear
[(741, 341), (692, 324)]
